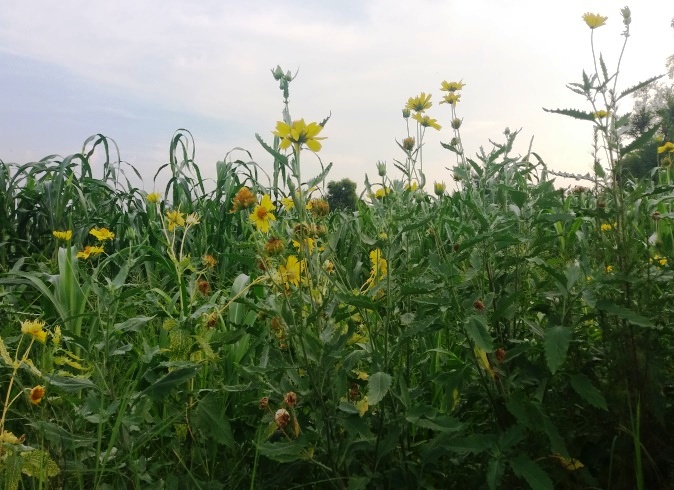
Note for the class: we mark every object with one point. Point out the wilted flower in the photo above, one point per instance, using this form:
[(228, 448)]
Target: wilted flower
[(408, 144), (262, 214), (299, 133), (102, 234), (243, 199), (290, 399), (318, 207), (192, 219), (209, 261), (594, 20), (63, 235), (264, 402), (204, 287), (282, 417), (274, 246), (36, 395), (35, 329), (419, 103), (479, 305)]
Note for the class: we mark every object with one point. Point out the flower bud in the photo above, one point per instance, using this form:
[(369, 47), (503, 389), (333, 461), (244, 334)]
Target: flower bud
[(456, 123), (381, 168), (439, 188), (627, 16), (406, 113), (277, 72)]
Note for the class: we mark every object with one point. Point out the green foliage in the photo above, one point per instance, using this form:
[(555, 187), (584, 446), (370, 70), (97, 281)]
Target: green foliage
[(342, 195)]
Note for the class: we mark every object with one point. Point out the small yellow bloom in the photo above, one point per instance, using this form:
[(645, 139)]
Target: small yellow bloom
[(262, 214), (299, 133), (63, 235), (102, 234), (666, 148), (451, 86), (412, 187), (288, 203), (609, 269), (362, 406), (35, 329), (601, 114), (439, 188), (660, 261), (427, 121), (594, 20), (175, 218), (36, 395), (362, 375), (606, 227), (153, 197), (381, 192), (89, 251), (451, 98), (310, 244), (419, 103)]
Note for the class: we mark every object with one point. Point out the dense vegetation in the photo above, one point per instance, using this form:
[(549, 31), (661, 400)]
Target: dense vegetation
[(508, 334)]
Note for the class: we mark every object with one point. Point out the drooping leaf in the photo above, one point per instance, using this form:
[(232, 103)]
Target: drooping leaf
[(476, 328), (166, 383), (525, 468), (583, 386), (624, 313), (557, 340)]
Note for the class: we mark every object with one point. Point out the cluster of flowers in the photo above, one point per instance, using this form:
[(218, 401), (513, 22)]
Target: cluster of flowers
[(101, 235)]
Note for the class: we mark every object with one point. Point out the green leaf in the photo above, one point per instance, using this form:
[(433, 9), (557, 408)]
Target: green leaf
[(237, 311), (439, 424), (133, 324), (211, 418), (285, 452), (583, 386), (640, 141), (166, 383), (278, 156), (625, 314), (494, 473), (638, 86), (576, 114), (377, 387), (71, 385), (534, 475), (599, 170), (476, 328), (557, 340)]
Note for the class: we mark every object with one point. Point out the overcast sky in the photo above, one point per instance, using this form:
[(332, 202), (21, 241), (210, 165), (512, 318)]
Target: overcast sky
[(138, 70)]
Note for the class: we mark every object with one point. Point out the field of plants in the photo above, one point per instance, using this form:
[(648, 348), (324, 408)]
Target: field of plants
[(282, 331)]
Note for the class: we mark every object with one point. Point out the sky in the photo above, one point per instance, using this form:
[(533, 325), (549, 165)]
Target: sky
[(138, 71)]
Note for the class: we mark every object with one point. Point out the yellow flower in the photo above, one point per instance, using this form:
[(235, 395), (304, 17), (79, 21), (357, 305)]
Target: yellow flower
[(451, 86), (606, 227), (299, 133), (153, 197), (412, 187), (262, 214), (288, 203), (419, 103), (601, 114), (609, 269), (35, 329), (310, 244), (439, 188), (426, 121), (89, 251), (381, 192), (666, 148), (175, 218), (36, 395), (660, 261), (102, 234), (291, 272), (594, 20), (63, 235), (362, 406), (451, 98), (318, 207), (379, 264)]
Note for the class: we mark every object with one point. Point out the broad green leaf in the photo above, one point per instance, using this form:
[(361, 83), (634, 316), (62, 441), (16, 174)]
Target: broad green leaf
[(166, 383), (133, 324), (624, 313), (557, 340), (70, 385), (211, 418), (378, 385), (583, 386), (494, 473), (286, 452), (534, 475), (476, 328)]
